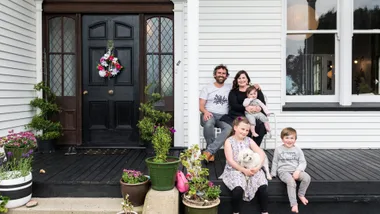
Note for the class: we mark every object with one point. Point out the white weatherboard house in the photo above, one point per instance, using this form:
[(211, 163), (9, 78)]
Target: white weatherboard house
[(317, 61)]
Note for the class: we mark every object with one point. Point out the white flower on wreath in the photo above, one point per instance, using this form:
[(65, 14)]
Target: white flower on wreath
[(102, 73), (107, 55), (104, 63), (114, 60), (114, 72)]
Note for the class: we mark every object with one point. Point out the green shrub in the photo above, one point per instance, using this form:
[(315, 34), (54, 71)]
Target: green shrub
[(153, 126), (41, 123)]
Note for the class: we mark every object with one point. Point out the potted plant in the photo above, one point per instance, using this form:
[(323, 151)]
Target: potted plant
[(203, 195), (3, 202), (47, 130), (127, 206), (134, 184), (18, 143), (16, 172), (153, 129)]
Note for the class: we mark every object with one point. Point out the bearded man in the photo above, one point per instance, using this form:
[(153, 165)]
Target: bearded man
[(213, 103)]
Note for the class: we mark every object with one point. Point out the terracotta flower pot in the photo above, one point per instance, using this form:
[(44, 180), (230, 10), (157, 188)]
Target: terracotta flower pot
[(136, 192)]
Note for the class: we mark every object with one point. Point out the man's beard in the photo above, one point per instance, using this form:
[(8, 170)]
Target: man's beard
[(220, 80)]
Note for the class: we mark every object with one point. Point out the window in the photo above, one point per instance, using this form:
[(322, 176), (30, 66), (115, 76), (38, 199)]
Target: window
[(311, 49), (160, 55), (61, 55), (366, 49), (318, 68)]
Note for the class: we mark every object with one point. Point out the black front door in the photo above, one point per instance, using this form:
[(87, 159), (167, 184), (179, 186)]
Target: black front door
[(110, 106)]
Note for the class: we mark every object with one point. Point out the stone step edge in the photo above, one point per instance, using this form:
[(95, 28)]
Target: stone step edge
[(73, 205)]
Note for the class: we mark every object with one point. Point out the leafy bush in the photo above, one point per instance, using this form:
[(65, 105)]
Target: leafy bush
[(153, 126), (41, 122)]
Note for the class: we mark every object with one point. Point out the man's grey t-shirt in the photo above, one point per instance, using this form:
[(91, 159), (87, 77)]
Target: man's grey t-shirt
[(216, 98)]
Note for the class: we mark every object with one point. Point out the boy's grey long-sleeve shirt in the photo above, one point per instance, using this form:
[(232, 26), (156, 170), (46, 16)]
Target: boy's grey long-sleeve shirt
[(288, 160)]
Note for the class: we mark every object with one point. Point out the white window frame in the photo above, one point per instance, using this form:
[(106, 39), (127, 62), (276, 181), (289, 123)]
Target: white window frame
[(310, 98), (362, 98), (343, 58)]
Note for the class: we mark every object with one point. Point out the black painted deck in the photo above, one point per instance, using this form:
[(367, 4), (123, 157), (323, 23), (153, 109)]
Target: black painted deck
[(347, 177)]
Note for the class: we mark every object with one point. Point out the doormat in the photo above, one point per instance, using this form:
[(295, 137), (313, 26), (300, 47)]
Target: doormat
[(104, 151)]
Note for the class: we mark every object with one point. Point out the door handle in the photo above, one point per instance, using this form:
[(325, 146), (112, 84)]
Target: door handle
[(110, 92), (85, 92)]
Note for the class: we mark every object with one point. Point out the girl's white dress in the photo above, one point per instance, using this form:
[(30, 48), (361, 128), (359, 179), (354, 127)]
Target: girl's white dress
[(233, 178)]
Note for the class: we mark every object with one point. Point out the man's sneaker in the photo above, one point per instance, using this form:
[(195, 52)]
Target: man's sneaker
[(73, 151), (69, 151), (209, 156)]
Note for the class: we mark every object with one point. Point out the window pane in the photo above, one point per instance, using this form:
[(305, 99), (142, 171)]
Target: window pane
[(68, 34), (55, 66), (153, 72), (152, 32), (69, 75), (167, 75), (366, 14), (311, 14), (55, 39), (166, 35), (365, 67), (310, 65)]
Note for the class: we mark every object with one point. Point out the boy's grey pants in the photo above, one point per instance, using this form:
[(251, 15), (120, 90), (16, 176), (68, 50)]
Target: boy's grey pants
[(287, 177)]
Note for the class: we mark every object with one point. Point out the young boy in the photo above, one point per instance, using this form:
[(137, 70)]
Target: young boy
[(289, 164)]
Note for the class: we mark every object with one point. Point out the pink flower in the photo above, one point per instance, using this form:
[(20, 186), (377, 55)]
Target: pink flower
[(210, 184)]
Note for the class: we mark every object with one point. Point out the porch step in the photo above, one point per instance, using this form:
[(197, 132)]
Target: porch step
[(74, 205)]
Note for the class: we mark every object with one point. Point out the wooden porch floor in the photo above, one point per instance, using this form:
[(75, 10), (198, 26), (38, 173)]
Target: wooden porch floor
[(337, 176)]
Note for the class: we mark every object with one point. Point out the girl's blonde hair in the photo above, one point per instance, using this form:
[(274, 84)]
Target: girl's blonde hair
[(236, 122)]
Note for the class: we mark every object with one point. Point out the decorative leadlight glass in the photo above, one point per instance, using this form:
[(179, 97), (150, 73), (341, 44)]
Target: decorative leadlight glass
[(55, 66), (152, 31), (55, 39), (167, 75), (166, 35), (153, 73), (69, 75), (68, 34), (62, 63), (160, 55)]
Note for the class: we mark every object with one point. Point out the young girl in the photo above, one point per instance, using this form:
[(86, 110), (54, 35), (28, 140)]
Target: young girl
[(252, 100), (234, 175)]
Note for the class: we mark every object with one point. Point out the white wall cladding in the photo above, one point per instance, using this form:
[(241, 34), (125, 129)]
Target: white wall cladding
[(17, 63), (246, 34)]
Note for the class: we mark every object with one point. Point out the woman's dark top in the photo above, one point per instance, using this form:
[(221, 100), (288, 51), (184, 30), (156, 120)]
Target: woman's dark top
[(235, 102)]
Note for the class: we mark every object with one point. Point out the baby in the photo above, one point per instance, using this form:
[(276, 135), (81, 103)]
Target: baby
[(252, 100)]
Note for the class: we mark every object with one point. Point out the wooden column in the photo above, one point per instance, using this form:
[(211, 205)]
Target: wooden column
[(193, 71), (345, 51), (39, 43), (178, 72)]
